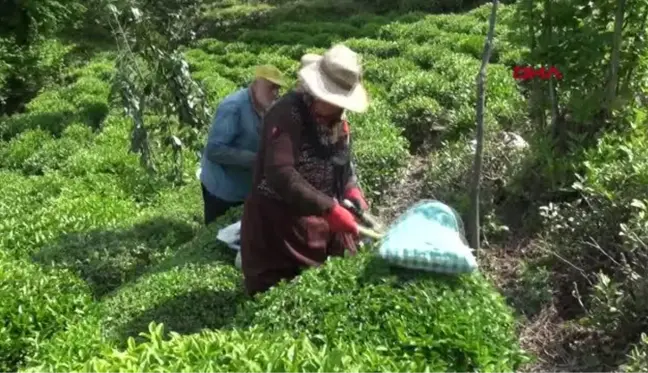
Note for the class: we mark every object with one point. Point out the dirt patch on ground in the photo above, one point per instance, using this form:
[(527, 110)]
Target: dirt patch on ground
[(544, 333), (407, 191), (503, 266), (538, 332)]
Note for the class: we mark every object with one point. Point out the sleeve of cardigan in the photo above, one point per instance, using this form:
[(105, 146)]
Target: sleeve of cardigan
[(352, 176), (283, 142)]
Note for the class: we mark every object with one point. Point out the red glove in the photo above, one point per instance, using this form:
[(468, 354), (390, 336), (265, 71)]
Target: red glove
[(340, 220), (355, 195)]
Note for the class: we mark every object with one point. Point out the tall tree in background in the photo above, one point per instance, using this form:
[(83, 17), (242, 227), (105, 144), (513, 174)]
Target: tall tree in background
[(152, 75), (473, 223), (615, 59), (26, 49)]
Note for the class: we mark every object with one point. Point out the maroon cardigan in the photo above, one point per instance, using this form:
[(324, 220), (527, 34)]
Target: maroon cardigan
[(283, 228)]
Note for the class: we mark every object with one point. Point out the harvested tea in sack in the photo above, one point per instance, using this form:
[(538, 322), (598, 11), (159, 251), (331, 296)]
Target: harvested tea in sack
[(231, 236), (430, 237)]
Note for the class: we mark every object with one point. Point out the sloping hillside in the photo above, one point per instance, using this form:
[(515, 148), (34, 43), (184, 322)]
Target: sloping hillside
[(94, 248)]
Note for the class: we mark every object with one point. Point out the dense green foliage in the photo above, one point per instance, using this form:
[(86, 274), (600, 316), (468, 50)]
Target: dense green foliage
[(379, 333), (96, 249), (34, 305), (364, 302)]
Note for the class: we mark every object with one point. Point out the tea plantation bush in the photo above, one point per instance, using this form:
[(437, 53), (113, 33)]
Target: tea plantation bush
[(197, 287), (638, 361), (613, 214), (396, 63), (397, 320), (72, 224), (52, 111), (240, 351), (365, 302), (33, 306), (93, 248)]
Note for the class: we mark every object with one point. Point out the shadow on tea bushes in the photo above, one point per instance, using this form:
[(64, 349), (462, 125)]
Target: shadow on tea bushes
[(350, 315), (190, 311), (85, 101), (449, 324), (204, 248), (106, 258), (196, 287), (35, 152), (115, 254)]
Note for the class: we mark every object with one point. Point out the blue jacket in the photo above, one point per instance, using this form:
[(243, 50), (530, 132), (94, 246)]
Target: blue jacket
[(233, 141)]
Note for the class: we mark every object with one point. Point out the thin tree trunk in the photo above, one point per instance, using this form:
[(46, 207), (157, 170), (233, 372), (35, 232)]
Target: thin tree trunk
[(637, 45), (553, 95), (616, 55), (474, 228), (537, 106)]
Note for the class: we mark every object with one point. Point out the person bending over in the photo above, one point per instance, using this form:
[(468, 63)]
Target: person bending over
[(306, 60), (232, 143), (292, 218)]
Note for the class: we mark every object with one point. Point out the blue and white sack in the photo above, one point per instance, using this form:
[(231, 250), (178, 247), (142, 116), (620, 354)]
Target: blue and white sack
[(430, 237)]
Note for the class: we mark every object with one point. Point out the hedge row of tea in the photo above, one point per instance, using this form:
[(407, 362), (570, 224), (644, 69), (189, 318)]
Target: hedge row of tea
[(351, 315), (93, 249)]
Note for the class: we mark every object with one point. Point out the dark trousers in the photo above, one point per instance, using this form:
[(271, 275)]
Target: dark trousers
[(214, 206)]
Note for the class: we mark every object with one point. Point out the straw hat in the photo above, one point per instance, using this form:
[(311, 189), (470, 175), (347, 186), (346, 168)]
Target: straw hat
[(335, 77), (309, 58), (271, 74)]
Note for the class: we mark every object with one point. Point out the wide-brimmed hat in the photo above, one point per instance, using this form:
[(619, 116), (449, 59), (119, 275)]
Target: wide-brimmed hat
[(271, 74), (309, 58), (335, 77)]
